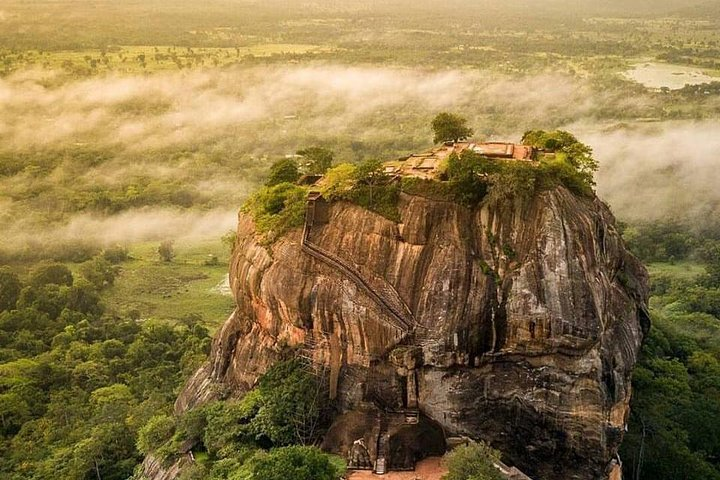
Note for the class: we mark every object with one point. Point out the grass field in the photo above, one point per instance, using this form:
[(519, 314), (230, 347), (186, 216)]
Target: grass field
[(189, 285)]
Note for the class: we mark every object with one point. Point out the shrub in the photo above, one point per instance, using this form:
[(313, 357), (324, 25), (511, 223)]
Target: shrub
[(431, 189), (158, 430), (297, 463), (472, 462), (10, 287), (52, 274), (116, 254), (277, 209), (225, 424), (283, 171), (513, 180), (166, 251), (211, 260), (339, 180), (99, 272), (568, 150), (382, 199)]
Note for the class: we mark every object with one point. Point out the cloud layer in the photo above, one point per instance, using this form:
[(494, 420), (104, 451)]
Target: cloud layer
[(661, 171), (648, 172), (166, 110)]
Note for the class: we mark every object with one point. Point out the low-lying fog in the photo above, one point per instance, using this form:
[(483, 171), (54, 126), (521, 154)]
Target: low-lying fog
[(178, 126)]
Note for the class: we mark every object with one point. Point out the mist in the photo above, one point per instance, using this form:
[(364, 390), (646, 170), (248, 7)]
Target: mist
[(181, 109), (216, 132), (140, 225), (660, 171)]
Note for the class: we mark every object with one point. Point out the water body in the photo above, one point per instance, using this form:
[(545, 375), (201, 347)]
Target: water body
[(659, 75)]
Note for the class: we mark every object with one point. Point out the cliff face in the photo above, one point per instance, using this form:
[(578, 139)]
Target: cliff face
[(524, 322)]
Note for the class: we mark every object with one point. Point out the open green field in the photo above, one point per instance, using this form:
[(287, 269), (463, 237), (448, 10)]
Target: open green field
[(192, 284)]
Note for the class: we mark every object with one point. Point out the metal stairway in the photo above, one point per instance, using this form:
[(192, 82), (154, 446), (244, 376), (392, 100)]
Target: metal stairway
[(382, 294)]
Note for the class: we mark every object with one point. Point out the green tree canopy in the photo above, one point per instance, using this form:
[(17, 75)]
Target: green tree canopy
[(276, 209), (370, 173), (339, 180), (99, 272), (158, 430), (297, 463), (283, 171), (567, 148), (472, 462), (318, 159), (10, 287), (51, 274), (449, 127)]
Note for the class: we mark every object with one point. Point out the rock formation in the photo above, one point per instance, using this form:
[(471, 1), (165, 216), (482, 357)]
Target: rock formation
[(517, 322)]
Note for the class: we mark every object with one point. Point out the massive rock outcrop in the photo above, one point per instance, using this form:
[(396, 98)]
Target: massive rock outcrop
[(523, 320)]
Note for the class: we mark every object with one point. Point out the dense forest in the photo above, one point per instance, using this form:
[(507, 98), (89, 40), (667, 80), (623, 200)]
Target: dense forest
[(78, 383), (675, 412)]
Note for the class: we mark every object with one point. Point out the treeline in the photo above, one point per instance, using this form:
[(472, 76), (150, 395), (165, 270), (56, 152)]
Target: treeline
[(672, 241), (77, 384)]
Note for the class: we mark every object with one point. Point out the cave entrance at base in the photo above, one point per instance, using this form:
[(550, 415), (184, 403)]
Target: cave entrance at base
[(395, 442), (398, 435)]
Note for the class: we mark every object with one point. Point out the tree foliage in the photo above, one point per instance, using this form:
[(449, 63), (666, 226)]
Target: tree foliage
[(283, 171), (339, 180), (296, 462), (449, 127), (567, 148), (675, 409), (9, 289), (472, 462), (288, 406), (51, 274), (77, 384), (277, 209), (317, 159)]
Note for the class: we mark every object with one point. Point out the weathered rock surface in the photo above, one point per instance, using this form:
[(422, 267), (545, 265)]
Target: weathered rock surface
[(153, 468), (530, 316)]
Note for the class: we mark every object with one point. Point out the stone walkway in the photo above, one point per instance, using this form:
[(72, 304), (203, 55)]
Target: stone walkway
[(428, 469)]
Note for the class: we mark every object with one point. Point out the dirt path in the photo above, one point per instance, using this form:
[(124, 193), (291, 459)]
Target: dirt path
[(428, 469)]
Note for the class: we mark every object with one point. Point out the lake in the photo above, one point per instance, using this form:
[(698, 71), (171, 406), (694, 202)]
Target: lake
[(658, 75)]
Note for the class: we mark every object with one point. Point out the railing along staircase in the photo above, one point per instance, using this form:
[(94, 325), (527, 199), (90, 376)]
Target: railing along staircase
[(384, 296), (310, 345)]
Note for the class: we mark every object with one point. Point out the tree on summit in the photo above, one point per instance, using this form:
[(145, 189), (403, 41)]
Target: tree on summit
[(449, 127), (318, 159), (283, 171)]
